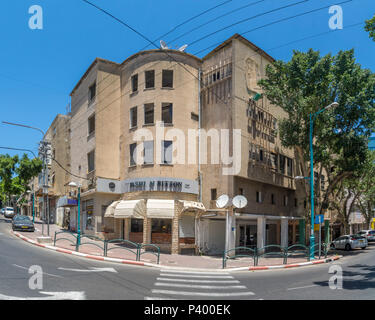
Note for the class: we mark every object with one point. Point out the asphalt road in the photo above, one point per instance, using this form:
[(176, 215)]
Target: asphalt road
[(70, 277)]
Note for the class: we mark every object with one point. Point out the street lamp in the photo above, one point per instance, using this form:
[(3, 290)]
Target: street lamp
[(33, 195), (312, 118), (75, 185)]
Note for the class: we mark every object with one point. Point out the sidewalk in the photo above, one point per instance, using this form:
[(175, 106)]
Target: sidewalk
[(166, 260)]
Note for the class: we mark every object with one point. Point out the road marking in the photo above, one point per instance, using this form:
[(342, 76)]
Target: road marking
[(198, 280), (93, 269), (195, 286), (70, 295), (158, 298), (314, 285), (52, 275), (194, 272), (203, 294), (195, 276)]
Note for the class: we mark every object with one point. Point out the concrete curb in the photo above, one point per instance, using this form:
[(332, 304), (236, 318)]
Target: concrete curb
[(146, 264)]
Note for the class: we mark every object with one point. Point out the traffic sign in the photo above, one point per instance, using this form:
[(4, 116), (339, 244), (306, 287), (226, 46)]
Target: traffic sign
[(319, 219)]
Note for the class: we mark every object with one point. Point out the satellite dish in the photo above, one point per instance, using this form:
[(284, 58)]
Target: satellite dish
[(239, 202), (163, 45), (183, 48), (223, 201)]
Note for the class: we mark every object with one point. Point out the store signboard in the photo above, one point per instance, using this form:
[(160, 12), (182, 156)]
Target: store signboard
[(147, 184)]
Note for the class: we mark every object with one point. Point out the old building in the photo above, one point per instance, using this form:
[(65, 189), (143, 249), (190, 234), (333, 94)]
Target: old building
[(156, 139)]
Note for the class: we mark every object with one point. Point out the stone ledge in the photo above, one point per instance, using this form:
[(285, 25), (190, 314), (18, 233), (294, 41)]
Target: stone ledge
[(44, 239)]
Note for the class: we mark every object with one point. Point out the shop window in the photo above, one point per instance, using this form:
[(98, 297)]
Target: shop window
[(150, 79), (161, 226), (133, 117), (134, 83), (149, 113), (136, 225), (167, 81), (167, 113)]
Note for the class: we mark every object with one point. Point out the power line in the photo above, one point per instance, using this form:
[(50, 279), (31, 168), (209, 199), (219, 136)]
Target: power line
[(72, 174), (190, 19), (216, 18), (247, 19), (275, 22)]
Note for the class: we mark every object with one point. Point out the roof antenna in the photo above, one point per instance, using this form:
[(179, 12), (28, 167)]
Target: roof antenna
[(163, 45)]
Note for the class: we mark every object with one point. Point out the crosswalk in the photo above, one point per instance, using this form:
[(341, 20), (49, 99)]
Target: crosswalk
[(192, 285)]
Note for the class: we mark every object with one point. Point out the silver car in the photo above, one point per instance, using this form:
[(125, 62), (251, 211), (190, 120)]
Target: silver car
[(369, 234), (349, 242)]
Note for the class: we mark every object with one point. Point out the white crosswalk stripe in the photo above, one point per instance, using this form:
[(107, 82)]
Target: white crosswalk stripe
[(174, 284)]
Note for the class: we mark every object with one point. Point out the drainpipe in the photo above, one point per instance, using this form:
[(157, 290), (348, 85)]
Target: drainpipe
[(199, 134)]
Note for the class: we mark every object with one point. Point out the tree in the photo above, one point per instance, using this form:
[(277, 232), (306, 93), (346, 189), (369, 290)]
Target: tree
[(15, 174), (308, 83), (370, 27)]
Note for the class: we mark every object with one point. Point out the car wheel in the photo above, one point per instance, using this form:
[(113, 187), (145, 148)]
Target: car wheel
[(348, 247), (363, 248), (333, 246)]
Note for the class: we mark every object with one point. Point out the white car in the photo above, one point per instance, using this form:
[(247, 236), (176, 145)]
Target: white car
[(9, 212), (369, 234), (349, 242)]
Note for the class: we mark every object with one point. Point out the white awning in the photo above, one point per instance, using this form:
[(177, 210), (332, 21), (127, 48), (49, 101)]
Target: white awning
[(130, 209), (110, 211), (160, 209), (192, 205)]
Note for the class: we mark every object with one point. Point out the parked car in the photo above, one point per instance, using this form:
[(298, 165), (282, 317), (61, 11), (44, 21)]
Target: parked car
[(349, 242), (22, 223), (369, 234), (9, 212), (2, 211)]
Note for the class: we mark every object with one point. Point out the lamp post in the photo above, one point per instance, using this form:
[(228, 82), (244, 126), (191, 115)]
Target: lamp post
[(312, 118), (75, 185), (33, 195)]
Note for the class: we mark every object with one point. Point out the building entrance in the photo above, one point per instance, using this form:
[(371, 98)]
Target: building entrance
[(248, 235)]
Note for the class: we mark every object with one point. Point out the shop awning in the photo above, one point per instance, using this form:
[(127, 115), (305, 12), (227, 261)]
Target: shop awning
[(160, 209), (192, 205), (110, 211), (130, 209)]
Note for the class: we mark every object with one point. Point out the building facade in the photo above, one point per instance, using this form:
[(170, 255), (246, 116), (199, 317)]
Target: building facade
[(155, 140)]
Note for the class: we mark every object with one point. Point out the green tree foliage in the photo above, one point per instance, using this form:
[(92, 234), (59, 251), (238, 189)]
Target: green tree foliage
[(15, 174), (308, 83), (370, 27)]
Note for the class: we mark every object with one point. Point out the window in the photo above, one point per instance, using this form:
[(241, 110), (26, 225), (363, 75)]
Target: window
[(135, 83), (290, 167), (91, 161), (133, 117), (213, 194), (91, 124), (295, 202), (148, 148), (161, 226), (132, 154), (136, 225), (149, 113), (167, 81), (166, 157), (259, 197), (150, 79), (194, 116), (261, 155), (241, 191), (322, 182), (285, 201), (282, 164), (272, 198), (92, 92), (167, 113)]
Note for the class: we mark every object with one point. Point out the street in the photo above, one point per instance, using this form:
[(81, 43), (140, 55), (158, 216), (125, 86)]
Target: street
[(69, 277)]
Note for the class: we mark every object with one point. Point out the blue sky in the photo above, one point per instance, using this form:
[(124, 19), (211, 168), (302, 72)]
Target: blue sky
[(39, 68)]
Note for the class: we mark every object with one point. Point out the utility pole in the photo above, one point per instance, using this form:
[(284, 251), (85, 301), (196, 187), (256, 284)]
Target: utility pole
[(45, 154)]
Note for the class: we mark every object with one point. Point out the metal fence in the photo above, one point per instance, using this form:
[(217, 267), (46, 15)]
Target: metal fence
[(135, 248), (274, 250)]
